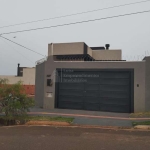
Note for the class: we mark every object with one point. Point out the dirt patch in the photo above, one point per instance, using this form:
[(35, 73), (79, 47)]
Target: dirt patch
[(5, 122), (47, 123), (140, 115)]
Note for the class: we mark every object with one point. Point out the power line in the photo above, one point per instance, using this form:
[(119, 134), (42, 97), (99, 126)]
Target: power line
[(21, 45), (73, 23), (17, 51), (74, 14)]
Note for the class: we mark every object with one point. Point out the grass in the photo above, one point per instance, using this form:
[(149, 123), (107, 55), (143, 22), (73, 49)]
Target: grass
[(140, 114), (46, 118), (39, 118), (141, 123)]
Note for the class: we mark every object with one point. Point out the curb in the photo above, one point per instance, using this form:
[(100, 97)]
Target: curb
[(67, 125), (79, 126)]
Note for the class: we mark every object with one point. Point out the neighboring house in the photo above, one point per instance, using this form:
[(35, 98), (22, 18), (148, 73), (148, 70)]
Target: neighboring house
[(76, 76), (26, 75)]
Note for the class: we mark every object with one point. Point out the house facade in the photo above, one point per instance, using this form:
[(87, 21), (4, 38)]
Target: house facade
[(76, 76)]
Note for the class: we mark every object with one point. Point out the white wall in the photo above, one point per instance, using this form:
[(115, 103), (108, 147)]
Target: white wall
[(27, 79)]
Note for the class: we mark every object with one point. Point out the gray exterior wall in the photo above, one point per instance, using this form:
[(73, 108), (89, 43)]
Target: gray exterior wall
[(147, 84), (40, 84), (139, 78)]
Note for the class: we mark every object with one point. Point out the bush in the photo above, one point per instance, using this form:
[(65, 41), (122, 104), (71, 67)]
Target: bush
[(13, 99)]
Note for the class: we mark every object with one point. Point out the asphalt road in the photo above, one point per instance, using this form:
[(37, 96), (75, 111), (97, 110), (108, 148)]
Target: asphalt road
[(66, 138)]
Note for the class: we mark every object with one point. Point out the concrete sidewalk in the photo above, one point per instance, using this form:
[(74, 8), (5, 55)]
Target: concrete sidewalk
[(90, 117)]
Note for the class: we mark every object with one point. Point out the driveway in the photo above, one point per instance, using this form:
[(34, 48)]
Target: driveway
[(81, 112)]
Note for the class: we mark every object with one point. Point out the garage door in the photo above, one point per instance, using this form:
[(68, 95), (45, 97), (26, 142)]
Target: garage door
[(98, 90)]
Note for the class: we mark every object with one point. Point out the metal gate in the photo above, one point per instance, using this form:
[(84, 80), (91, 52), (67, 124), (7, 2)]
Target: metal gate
[(98, 90)]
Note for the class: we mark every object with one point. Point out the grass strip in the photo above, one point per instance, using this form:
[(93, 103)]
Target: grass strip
[(38, 118), (141, 123)]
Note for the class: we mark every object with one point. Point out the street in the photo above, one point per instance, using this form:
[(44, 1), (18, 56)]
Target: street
[(67, 138)]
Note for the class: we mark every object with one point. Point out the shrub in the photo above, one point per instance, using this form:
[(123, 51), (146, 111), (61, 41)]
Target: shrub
[(13, 100)]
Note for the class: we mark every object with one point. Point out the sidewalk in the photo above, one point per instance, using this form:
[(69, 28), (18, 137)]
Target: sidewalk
[(90, 117)]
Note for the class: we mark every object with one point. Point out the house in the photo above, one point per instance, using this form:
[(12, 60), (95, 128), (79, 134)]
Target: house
[(24, 74), (76, 76)]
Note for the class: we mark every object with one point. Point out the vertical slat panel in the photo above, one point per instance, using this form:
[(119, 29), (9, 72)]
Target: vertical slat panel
[(101, 90)]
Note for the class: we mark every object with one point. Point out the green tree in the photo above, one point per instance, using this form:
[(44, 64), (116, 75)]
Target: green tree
[(13, 99)]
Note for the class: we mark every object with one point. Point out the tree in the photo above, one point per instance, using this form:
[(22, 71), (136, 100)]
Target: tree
[(13, 99)]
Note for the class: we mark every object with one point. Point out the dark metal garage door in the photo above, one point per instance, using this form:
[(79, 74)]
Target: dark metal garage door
[(98, 90)]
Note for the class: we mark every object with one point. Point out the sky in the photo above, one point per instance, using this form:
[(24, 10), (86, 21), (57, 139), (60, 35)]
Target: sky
[(130, 33)]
